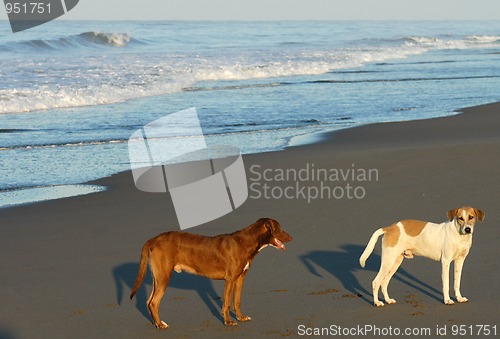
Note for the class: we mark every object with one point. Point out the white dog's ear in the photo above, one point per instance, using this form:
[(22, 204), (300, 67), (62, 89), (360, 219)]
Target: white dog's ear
[(479, 214), (452, 214)]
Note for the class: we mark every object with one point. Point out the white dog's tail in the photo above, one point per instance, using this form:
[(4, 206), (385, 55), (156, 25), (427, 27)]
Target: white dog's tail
[(371, 245)]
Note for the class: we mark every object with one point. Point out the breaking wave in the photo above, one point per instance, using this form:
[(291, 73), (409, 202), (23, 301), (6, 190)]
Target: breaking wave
[(119, 77), (83, 40)]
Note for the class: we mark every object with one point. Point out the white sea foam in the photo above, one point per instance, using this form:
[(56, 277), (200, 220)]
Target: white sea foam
[(39, 194), (125, 81), (53, 83), (113, 39), (485, 39), (474, 41)]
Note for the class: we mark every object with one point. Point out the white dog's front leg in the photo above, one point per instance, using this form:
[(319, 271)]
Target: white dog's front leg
[(459, 263), (445, 276)]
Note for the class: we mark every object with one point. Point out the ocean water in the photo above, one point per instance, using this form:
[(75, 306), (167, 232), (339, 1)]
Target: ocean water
[(72, 93)]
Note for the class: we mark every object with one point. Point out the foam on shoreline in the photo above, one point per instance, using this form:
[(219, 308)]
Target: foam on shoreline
[(38, 194)]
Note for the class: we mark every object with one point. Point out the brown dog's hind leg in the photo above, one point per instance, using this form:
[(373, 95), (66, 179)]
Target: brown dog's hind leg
[(237, 298), (228, 293), (161, 278)]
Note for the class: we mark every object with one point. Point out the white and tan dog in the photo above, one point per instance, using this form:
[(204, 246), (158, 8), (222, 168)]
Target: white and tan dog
[(445, 242)]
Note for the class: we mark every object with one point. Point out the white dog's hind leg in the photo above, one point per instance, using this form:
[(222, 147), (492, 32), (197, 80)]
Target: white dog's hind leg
[(386, 265), (375, 287), (387, 278)]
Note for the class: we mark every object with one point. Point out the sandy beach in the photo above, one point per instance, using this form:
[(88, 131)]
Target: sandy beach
[(68, 265)]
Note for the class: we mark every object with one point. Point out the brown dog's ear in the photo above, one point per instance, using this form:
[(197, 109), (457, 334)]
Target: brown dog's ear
[(261, 221), (272, 225), (264, 222), (268, 223), (479, 214), (452, 214)]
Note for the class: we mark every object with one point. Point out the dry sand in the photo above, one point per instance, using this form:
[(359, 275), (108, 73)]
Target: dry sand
[(67, 266)]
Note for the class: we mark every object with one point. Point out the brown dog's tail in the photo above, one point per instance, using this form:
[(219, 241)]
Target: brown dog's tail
[(143, 265)]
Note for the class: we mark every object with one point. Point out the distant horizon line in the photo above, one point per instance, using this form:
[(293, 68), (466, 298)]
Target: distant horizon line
[(273, 20)]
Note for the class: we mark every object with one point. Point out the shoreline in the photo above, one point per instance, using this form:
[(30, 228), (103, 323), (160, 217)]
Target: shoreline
[(69, 264), (86, 187)]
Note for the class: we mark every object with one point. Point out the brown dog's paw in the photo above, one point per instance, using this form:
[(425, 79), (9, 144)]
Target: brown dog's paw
[(230, 323), (244, 318)]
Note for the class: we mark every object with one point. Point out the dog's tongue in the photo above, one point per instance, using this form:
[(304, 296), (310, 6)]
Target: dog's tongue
[(279, 244)]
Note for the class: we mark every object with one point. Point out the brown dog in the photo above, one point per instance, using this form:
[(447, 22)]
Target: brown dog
[(225, 256)]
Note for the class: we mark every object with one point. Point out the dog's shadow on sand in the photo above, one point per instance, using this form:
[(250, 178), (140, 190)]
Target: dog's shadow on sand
[(343, 265), (125, 274)]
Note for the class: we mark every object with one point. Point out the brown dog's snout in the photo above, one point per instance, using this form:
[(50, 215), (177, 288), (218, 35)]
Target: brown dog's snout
[(279, 240), (275, 230), (286, 237)]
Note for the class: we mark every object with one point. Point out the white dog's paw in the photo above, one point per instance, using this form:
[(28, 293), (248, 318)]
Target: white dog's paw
[(449, 302), (162, 325), (462, 299), (244, 318), (390, 301), (378, 303)]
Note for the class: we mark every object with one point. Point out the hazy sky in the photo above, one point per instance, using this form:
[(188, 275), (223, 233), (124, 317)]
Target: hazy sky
[(283, 10)]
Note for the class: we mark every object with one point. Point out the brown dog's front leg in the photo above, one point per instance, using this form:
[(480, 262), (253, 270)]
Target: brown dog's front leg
[(228, 293), (237, 298)]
